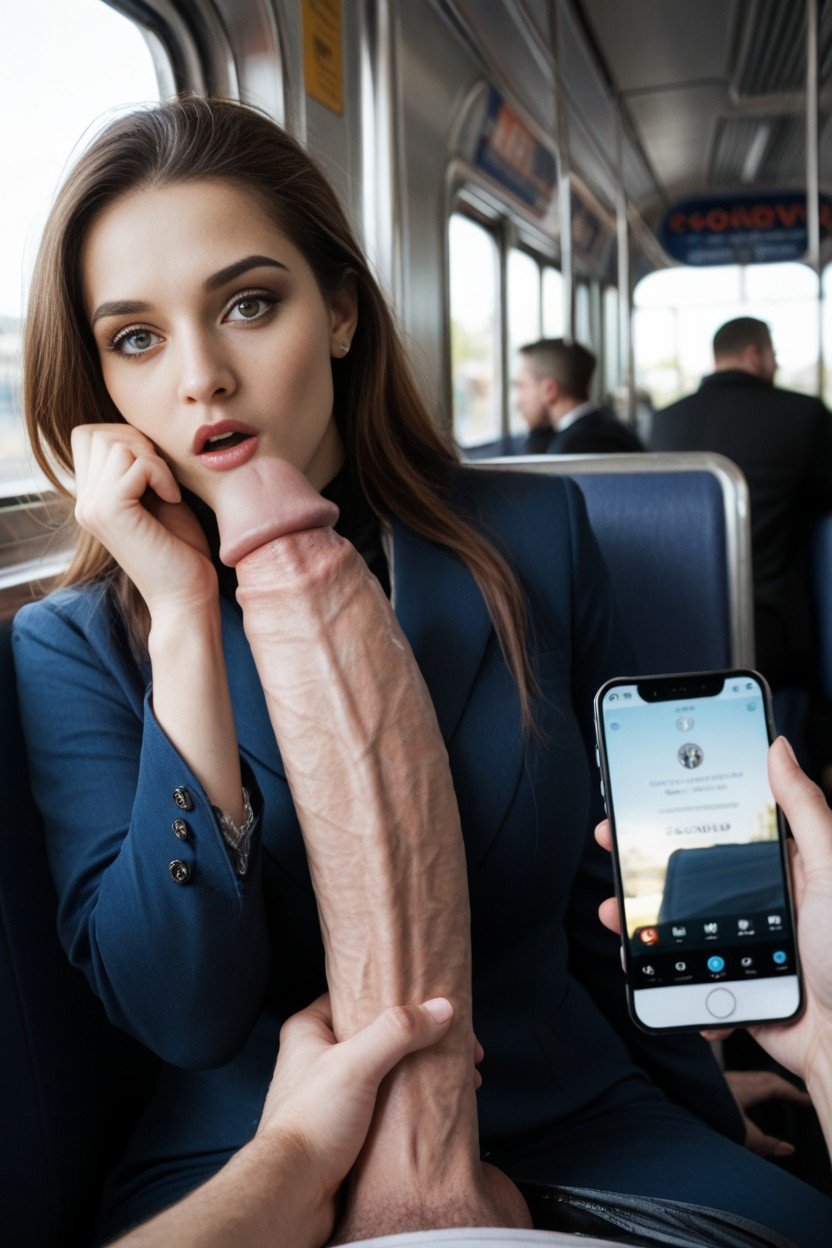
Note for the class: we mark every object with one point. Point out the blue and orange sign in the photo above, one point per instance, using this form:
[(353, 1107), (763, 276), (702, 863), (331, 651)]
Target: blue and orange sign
[(508, 152), (741, 229)]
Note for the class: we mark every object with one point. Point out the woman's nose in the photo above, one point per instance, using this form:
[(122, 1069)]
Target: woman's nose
[(205, 374)]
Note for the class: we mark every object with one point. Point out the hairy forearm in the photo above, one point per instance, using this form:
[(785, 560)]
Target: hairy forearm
[(263, 1197), (372, 788), (192, 703)]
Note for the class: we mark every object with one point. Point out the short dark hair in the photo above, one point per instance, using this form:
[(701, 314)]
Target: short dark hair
[(570, 364), (735, 336)]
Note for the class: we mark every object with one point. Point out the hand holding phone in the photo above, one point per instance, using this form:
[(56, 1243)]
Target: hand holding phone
[(699, 851)]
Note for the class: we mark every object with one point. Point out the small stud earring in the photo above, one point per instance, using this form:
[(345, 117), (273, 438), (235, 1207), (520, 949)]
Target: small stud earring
[(343, 347)]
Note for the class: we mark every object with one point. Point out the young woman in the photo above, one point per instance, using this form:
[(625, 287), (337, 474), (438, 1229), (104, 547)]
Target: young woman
[(199, 290)]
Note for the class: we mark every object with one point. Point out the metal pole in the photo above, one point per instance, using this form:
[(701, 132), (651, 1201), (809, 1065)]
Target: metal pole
[(812, 171), (625, 281), (505, 350), (567, 259)]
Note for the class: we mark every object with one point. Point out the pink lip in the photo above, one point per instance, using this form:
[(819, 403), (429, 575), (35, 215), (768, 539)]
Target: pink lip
[(219, 461), (204, 432)]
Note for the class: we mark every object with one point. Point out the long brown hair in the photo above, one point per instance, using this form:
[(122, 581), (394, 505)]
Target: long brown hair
[(399, 458)]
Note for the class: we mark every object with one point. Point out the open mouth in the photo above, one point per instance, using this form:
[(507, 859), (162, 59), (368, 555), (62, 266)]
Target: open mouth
[(224, 442)]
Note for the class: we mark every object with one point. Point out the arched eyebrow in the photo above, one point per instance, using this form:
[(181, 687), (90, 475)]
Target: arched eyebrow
[(239, 267), (128, 307)]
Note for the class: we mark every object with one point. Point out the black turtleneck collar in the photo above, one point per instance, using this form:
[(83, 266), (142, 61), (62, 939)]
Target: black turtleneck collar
[(357, 522)]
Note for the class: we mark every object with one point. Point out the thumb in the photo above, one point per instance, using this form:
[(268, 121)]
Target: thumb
[(373, 1052), (804, 806)]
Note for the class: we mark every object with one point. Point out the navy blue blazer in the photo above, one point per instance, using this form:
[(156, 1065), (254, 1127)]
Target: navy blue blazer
[(203, 973)]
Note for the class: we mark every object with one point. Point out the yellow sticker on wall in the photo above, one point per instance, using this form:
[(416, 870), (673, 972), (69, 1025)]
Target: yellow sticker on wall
[(323, 67)]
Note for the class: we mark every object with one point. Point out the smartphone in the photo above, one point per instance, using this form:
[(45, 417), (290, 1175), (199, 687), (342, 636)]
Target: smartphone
[(699, 850)]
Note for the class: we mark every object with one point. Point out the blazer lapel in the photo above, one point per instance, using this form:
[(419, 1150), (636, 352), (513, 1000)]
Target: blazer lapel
[(442, 613), (446, 621)]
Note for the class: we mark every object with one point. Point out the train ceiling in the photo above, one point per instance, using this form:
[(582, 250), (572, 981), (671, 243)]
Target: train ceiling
[(711, 93), (714, 90)]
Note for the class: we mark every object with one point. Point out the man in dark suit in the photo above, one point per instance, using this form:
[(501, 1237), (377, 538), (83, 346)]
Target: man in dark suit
[(551, 390), (782, 442)]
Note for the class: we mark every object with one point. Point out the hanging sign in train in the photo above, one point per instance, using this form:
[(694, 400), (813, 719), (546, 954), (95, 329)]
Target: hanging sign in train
[(741, 229), (592, 236), (510, 154)]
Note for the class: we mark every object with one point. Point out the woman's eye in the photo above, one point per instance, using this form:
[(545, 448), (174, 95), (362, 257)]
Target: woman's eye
[(250, 307), (136, 342)]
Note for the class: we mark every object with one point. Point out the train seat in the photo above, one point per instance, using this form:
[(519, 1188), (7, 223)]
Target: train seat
[(674, 533), (70, 1083), (822, 585)]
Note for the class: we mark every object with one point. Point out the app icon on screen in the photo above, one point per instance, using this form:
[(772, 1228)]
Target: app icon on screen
[(716, 964)]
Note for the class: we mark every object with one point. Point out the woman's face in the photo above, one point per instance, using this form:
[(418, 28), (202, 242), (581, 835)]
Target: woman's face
[(204, 312)]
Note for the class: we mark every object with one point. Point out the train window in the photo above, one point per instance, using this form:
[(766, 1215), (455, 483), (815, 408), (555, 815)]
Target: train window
[(583, 314), (524, 285), (554, 321), (611, 369), (87, 63), (677, 311), (474, 257)]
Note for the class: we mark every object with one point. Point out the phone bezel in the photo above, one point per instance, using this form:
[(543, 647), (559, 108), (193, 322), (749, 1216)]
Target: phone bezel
[(691, 684)]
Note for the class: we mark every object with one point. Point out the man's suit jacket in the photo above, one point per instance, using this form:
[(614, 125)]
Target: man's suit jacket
[(204, 972), (782, 442), (598, 432)]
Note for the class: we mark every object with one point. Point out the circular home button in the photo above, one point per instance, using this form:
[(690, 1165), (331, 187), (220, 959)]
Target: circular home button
[(721, 1003)]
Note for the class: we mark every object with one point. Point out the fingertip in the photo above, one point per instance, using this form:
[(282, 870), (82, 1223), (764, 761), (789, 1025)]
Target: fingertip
[(610, 916), (784, 745), (602, 834), (440, 1009)]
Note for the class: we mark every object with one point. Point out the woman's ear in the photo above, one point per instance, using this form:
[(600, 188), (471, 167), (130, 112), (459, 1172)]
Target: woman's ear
[(343, 316)]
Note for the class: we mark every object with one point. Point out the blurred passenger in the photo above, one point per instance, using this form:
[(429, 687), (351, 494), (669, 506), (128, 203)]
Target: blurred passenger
[(782, 442), (551, 390)]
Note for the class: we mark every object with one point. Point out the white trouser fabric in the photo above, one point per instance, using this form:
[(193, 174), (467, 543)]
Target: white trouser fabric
[(471, 1236)]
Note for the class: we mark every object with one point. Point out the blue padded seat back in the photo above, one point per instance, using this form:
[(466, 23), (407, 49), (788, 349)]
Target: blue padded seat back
[(70, 1083), (822, 585), (663, 538)]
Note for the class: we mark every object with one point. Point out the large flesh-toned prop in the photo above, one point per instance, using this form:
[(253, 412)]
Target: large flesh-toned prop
[(369, 776)]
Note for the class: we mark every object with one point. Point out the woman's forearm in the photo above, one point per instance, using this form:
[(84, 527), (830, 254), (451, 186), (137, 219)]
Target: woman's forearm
[(192, 703)]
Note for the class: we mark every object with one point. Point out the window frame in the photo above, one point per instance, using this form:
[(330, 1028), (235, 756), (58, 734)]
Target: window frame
[(491, 227), (510, 234), (189, 45)]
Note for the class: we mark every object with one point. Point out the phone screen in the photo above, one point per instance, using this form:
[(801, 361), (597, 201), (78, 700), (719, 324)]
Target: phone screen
[(699, 853)]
